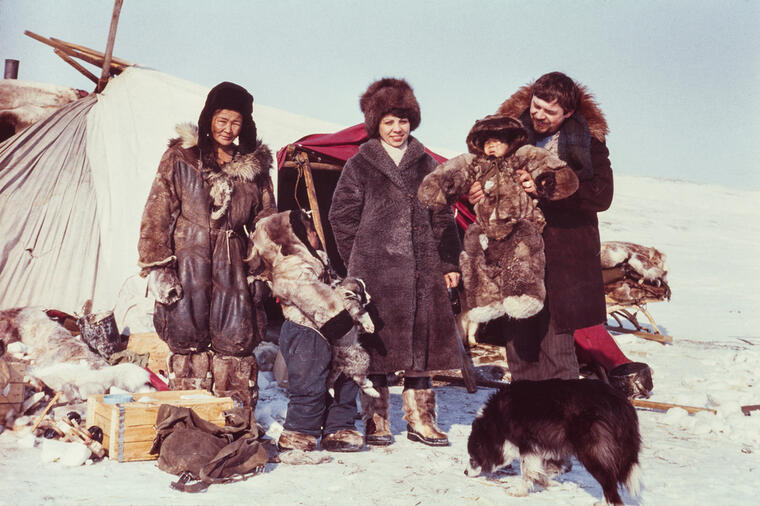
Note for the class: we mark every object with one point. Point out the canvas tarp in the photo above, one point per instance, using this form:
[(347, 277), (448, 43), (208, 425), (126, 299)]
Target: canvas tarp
[(73, 187)]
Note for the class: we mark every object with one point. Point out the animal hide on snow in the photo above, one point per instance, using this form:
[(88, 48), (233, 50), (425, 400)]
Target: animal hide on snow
[(60, 360)]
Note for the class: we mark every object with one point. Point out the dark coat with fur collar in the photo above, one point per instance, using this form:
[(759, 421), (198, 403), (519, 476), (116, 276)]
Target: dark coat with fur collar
[(402, 251), (574, 286), (195, 221)]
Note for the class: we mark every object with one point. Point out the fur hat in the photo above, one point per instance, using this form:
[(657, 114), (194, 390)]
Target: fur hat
[(497, 126), (388, 95), (231, 96)]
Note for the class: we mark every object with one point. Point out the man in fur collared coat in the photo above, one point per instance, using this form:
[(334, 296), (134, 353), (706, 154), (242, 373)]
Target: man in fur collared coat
[(206, 196), (563, 118), (405, 253)]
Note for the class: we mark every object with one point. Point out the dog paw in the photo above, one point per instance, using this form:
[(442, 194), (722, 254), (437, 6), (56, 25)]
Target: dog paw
[(521, 490), (368, 327)]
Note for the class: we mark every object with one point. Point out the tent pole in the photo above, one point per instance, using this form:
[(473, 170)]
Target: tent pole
[(109, 46), (303, 164), (89, 75)]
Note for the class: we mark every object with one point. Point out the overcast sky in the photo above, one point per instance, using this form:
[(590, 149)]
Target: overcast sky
[(678, 80)]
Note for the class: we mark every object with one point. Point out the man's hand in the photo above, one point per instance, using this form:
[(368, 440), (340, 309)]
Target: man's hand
[(527, 182), (475, 194)]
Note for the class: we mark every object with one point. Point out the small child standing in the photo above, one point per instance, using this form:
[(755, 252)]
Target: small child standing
[(286, 254), (503, 258)]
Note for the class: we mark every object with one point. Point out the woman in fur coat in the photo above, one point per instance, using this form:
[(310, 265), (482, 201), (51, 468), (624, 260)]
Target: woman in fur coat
[(406, 254), (206, 197)]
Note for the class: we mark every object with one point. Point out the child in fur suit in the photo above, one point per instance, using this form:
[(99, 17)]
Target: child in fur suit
[(503, 258), (318, 316)]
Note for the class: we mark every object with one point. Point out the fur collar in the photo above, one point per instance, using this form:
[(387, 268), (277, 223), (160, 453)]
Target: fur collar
[(244, 167), (520, 101), (378, 158)]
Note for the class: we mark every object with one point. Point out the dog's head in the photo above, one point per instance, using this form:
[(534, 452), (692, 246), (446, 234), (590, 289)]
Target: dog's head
[(489, 444), (354, 288)]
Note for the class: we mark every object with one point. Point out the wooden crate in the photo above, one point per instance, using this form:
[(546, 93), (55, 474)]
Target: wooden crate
[(129, 428), (13, 389), (149, 342)]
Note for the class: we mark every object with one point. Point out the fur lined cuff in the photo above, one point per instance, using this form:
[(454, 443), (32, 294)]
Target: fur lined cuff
[(145, 268), (337, 326)]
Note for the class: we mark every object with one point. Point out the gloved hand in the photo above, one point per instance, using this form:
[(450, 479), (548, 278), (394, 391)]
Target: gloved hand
[(164, 285)]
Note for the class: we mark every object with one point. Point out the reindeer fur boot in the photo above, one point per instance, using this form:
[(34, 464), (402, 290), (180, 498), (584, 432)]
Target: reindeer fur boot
[(190, 371), (236, 377), (375, 413), (419, 413)]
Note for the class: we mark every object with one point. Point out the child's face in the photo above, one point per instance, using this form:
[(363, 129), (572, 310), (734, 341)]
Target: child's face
[(495, 147)]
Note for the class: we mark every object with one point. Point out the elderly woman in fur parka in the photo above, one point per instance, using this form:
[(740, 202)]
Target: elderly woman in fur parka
[(406, 254), (503, 259), (206, 196)]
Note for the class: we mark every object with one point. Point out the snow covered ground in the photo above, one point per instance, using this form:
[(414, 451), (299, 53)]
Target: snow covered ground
[(710, 235)]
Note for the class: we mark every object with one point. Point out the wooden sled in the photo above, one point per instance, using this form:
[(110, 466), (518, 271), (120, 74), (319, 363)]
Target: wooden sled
[(628, 312)]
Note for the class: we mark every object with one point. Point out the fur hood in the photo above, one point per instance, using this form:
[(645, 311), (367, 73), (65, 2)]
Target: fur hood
[(516, 105), (499, 126), (246, 167)]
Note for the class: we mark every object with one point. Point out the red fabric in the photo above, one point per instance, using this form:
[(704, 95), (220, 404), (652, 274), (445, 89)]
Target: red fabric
[(341, 145), (595, 344), (156, 381), (345, 143)]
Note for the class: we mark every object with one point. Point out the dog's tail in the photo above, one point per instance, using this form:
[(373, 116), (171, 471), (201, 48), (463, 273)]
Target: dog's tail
[(633, 480)]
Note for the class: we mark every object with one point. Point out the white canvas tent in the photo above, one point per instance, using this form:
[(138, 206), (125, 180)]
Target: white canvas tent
[(73, 186)]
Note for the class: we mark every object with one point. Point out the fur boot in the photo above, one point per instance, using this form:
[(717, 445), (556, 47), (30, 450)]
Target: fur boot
[(189, 371), (419, 413), (236, 377), (375, 413)]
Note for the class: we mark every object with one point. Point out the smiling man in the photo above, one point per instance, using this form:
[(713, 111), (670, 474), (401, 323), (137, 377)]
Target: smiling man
[(563, 118)]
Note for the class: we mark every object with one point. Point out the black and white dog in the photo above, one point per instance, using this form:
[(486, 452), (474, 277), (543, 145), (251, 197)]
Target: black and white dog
[(542, 422)]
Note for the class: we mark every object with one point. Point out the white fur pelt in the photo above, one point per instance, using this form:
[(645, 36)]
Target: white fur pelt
[(647, 262), (60, 360)]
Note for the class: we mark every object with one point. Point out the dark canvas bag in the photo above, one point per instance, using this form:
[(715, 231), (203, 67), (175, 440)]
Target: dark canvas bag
[(193, 448)]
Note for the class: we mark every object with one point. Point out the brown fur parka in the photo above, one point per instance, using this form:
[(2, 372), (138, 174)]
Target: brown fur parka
[(401, 250), (196, 221), (575, 291)]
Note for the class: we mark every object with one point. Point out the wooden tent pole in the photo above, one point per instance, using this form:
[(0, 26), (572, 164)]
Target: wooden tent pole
[(303, 163), (109, 46), (115, 62), (89, 75)]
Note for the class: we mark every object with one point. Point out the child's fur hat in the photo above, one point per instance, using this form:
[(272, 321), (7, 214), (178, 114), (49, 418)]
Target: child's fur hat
[(388, 95), (496, 126)]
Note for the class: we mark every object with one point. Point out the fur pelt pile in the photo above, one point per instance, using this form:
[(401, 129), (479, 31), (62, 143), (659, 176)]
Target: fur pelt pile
[(634, 273), (61, 361)]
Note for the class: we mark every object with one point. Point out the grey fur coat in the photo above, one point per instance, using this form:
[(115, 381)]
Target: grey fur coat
[(401, 250)]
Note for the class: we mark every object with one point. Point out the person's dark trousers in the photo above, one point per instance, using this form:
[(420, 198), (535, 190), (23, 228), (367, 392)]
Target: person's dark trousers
[(536, 351), (307, 356)]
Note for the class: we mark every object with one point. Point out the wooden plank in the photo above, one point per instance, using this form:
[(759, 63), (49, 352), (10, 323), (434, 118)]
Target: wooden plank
[(89, 75), (660, 338), (664, 406), (106, 72), (115, 62), (314, 165), (303, 164), (149, 342)]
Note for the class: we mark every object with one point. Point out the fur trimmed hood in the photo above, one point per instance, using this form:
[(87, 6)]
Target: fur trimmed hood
[(384, 96), (517, 104), (246, 167), (499, 126)]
